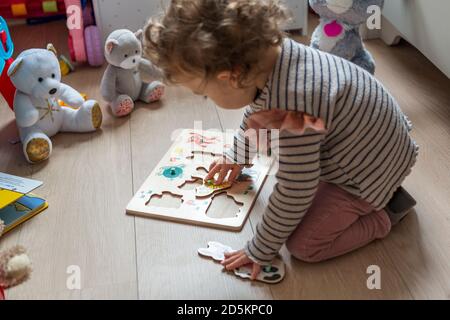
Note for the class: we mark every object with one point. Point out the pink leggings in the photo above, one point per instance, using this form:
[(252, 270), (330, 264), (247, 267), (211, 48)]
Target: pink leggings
[(336, 223)]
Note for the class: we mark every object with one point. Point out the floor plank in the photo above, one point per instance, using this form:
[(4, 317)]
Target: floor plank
[(419, 247)]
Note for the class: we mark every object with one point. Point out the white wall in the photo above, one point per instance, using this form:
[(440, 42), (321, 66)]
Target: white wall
[(133, 14), (426, 25)]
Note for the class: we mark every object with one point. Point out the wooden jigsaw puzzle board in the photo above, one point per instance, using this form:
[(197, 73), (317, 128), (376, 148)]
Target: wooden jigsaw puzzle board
[(175, 190)]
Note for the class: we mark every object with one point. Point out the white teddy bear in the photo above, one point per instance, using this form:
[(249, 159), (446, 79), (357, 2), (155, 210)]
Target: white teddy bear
[(39, 115)]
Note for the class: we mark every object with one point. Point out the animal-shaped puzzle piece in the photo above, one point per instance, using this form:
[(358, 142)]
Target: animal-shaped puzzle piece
[(208, 188), (270, 274), (215, 250)]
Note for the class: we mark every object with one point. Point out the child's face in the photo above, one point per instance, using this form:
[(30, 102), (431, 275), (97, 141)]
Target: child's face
[(223, 90)]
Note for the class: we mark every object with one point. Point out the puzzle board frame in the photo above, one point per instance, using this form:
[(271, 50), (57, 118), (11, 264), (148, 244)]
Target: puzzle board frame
[(191, 151)]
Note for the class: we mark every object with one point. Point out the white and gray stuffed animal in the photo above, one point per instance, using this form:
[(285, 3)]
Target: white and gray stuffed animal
[(338, 31), (15, 266), (122, 83), (39, 114)]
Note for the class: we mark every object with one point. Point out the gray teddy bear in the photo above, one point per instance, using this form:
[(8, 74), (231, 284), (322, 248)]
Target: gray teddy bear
[(122, 83), (338, 31)]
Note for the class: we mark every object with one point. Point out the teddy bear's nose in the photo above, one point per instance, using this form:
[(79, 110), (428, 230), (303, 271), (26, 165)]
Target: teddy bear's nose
[(53, 91), (134, 60)]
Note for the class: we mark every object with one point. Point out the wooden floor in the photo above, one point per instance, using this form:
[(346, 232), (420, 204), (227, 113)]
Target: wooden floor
[(90, 178)]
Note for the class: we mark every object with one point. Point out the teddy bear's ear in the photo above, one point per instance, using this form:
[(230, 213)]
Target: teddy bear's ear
[(14, 67), (138, 34), (51, 48), (110, 44)]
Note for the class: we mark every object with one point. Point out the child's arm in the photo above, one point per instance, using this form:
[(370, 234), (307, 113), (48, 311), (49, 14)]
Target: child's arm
[(240, 154), (298, 179), (243, 149)]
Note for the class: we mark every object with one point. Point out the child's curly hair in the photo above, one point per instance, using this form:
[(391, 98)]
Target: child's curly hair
[(204, 37)]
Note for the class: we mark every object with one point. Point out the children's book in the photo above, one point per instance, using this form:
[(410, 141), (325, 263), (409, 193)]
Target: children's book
[(17, 205)]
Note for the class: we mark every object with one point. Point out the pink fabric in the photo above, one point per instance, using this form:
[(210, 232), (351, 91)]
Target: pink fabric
[(336, 223)]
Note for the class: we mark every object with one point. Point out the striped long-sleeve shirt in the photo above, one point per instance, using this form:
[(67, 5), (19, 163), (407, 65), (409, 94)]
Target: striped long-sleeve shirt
[(366, 148)]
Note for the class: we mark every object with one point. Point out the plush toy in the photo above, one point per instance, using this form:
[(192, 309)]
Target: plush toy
[(15, 267), (39, 114), (338, 31), (122, 84)]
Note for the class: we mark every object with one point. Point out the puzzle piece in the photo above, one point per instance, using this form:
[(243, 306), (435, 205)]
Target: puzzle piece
[(172, 172), (270, 274), (215, 250), (209, 188)]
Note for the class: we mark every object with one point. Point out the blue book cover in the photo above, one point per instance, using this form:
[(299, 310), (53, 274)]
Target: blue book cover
[(20, 211)]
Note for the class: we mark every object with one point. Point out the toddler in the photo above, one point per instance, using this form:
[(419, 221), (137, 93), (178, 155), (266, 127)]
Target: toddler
[(344, 147)]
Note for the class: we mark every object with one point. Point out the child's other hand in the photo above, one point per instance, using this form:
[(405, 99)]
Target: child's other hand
[(222, 166), (235, 260)]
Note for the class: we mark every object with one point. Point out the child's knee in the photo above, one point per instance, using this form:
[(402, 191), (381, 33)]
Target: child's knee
[(303, 252), (385, 224)]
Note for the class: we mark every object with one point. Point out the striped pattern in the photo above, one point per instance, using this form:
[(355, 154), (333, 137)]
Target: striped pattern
[(366, 150)]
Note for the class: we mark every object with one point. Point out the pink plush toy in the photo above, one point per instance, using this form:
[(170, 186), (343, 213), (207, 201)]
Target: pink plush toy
[(85, 42)]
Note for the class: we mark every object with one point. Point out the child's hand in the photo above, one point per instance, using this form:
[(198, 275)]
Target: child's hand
[(238, 259), (222, 166)]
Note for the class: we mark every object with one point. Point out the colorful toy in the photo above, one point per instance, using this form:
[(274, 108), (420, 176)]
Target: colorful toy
[(19, 10), (176, 190), (50, 6), (64, 64), (36, 75), (88, 13), (122, 84), (76, 33), (271, 274), (94, 48), (338, 31), (15, 267), (7, 89), (85, 43), (30, 9)]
